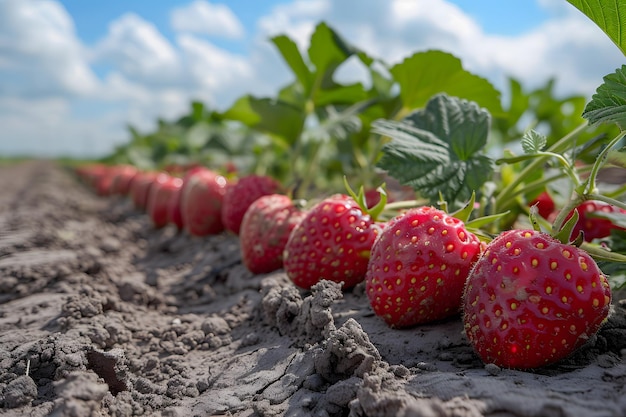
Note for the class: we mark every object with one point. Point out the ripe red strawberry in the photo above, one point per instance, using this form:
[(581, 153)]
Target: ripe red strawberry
[(201, 202), (239, 196), (163, 189), (594, 227), (332, 242), (174, 211), (418, 267), (264, 232), (90, 173), (140, 188), (545, 204), (104, 179), (531, 300), (174, 214), (122, 177)]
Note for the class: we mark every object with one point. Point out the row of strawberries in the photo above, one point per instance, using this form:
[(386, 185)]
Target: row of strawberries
[(527, 299)]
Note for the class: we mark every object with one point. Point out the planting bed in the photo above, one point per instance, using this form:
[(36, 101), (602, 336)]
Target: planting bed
[(101, 314)]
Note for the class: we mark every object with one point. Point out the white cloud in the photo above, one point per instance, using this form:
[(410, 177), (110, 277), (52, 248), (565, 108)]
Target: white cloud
[(206, 18), (53, 102), (556, 6), (41, 55), (48, 127), (568, 48), (136, 48), (210, 66), (297, 19)]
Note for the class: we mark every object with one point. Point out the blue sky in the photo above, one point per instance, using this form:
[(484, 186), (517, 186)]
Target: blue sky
[(75, 73)]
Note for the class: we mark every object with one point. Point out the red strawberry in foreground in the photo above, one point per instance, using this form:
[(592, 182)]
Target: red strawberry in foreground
[(201, 202), (418, 267), (332, 242), (239, 196), (264, 232), (594, 227), (531, 300)]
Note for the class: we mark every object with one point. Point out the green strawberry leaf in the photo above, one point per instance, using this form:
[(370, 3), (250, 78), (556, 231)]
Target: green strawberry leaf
[(439, 149), (291, 54), (465, 212), (610, 16), (327, 51), (276, 117), (601, 254), (425, 74), (485, 220), (565, 234), (533, 142), (608, 104)]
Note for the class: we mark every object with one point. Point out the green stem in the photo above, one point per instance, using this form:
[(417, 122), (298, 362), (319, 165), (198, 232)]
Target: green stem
[(531, 187), (569, 170), (590, 185), (617, 192), (559, 146), (407, 204), (608, 200), (589, 192), (308, 176)]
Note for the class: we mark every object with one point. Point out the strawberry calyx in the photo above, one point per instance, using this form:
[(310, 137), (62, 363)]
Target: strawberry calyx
[(564, 234), (359, 197), (476, 224)]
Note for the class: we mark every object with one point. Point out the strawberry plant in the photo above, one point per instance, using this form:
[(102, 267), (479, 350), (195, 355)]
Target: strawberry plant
[(536, 294)]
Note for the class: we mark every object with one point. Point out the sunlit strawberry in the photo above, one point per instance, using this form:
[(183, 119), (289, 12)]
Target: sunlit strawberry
[(418, 267), (531, 300), (201, 202), (332, 242)]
